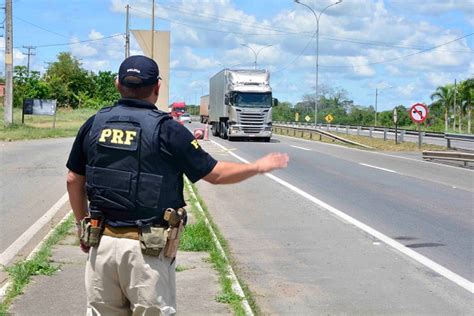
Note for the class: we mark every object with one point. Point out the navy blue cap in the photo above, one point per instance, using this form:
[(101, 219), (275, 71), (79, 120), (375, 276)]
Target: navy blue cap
[(138, 71)]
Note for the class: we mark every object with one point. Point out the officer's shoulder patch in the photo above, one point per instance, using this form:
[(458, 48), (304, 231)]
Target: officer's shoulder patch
[(195, 144)]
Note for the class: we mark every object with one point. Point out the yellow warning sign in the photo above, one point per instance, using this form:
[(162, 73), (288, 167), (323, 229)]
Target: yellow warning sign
[(307, 118), (329, 118), (297, 116)]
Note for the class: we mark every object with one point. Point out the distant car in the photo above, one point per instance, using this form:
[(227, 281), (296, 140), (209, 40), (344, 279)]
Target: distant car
[(185, 118)]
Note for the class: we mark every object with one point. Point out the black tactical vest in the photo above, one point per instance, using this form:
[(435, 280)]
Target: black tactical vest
[(126, 177)]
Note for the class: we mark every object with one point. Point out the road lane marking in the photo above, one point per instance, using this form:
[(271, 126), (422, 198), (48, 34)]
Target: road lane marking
[(307, 149), (375, 167), (4, 288), (25, 238), (448, 274), (375, 153)]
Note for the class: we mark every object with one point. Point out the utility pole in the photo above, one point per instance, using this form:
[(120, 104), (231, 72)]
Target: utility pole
[(30, 53), (8, 112), (152, 28), (454, 107), (127, 33), (376, 94)]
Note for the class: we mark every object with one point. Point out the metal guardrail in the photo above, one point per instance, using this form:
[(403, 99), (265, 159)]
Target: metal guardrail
[(449, 155), (368, 128), (460, 137), (280, 127)]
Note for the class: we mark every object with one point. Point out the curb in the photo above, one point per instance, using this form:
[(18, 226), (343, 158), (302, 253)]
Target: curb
[(235, 283)]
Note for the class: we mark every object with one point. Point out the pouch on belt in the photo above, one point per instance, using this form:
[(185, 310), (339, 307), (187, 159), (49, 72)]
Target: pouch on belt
[(152, 240), (91, 231)]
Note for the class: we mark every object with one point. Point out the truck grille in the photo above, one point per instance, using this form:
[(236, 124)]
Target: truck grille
[(252, 122)]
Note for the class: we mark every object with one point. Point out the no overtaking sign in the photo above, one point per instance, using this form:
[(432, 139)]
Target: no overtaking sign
[(418, 113)]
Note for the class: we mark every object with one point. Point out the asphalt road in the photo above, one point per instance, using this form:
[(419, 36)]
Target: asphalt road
[(33, 179), (300, 258), (462, 145), (295, 256)]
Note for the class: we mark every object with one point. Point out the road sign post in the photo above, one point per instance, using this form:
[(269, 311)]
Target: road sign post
[(395, 120), (418, 114)]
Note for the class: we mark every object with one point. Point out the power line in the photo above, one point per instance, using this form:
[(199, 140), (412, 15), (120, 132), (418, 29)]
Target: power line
[(79, 42), (282, 31), (203, 28), (402, 57), (40, 27)]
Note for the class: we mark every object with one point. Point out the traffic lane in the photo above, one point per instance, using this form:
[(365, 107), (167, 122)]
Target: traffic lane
[(438, 226), (449, 175), (33, 179), (299, 259)]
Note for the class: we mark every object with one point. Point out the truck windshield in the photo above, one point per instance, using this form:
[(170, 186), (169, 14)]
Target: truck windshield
[(253, 100)]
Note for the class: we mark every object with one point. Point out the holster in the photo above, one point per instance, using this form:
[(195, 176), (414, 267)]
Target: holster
[(177, 221), (172, 245), (91, 231)]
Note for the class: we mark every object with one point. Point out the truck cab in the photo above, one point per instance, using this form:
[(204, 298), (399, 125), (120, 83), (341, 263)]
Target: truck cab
[(177, 109), (240, 104)]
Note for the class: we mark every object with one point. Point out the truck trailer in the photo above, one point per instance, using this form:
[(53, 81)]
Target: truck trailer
[(240, 104), (204, 109)]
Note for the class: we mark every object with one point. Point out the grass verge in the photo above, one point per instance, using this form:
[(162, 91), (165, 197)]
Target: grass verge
[(220, 264), (67, 124), (20, 273)]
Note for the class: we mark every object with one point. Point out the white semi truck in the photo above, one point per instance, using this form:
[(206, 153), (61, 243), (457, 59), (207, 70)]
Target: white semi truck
[(240, 104)]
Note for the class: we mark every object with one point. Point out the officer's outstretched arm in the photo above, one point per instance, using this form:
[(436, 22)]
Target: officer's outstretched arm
[(77, 194), (230, 172)]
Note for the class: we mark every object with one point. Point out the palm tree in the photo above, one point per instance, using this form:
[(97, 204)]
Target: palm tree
[(444, 95), (467, 94)]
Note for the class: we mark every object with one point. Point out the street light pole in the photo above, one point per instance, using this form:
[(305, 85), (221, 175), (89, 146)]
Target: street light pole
[(317, 17), (256, 53)]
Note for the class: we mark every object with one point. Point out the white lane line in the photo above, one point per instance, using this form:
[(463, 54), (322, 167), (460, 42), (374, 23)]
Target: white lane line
[(17, 245), (375, 167), (375, 153), (5, 287), (448, 274), (307, 149)]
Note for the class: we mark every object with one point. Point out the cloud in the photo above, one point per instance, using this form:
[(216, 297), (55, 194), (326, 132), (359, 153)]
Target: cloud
[(354, 35), (94, 35), (408, 91), (187, 60), (96, 65), (82, 49), (434, 7)]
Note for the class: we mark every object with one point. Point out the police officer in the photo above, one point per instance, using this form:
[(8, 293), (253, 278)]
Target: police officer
[(128, 160)]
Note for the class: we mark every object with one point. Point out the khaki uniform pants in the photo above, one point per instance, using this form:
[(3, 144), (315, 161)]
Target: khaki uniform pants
[(120, 280)]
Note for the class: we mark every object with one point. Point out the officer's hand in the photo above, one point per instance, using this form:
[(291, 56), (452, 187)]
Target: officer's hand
[(272, 161)]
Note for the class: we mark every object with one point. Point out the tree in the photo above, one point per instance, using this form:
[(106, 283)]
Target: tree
[(284, 112), (68, 82), (26, 87), (466, 95), (444, 97)]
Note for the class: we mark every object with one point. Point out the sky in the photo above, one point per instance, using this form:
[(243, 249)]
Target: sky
[(404, 49)]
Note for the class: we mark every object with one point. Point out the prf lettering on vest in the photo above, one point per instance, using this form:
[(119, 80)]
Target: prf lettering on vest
[(117, 136)]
